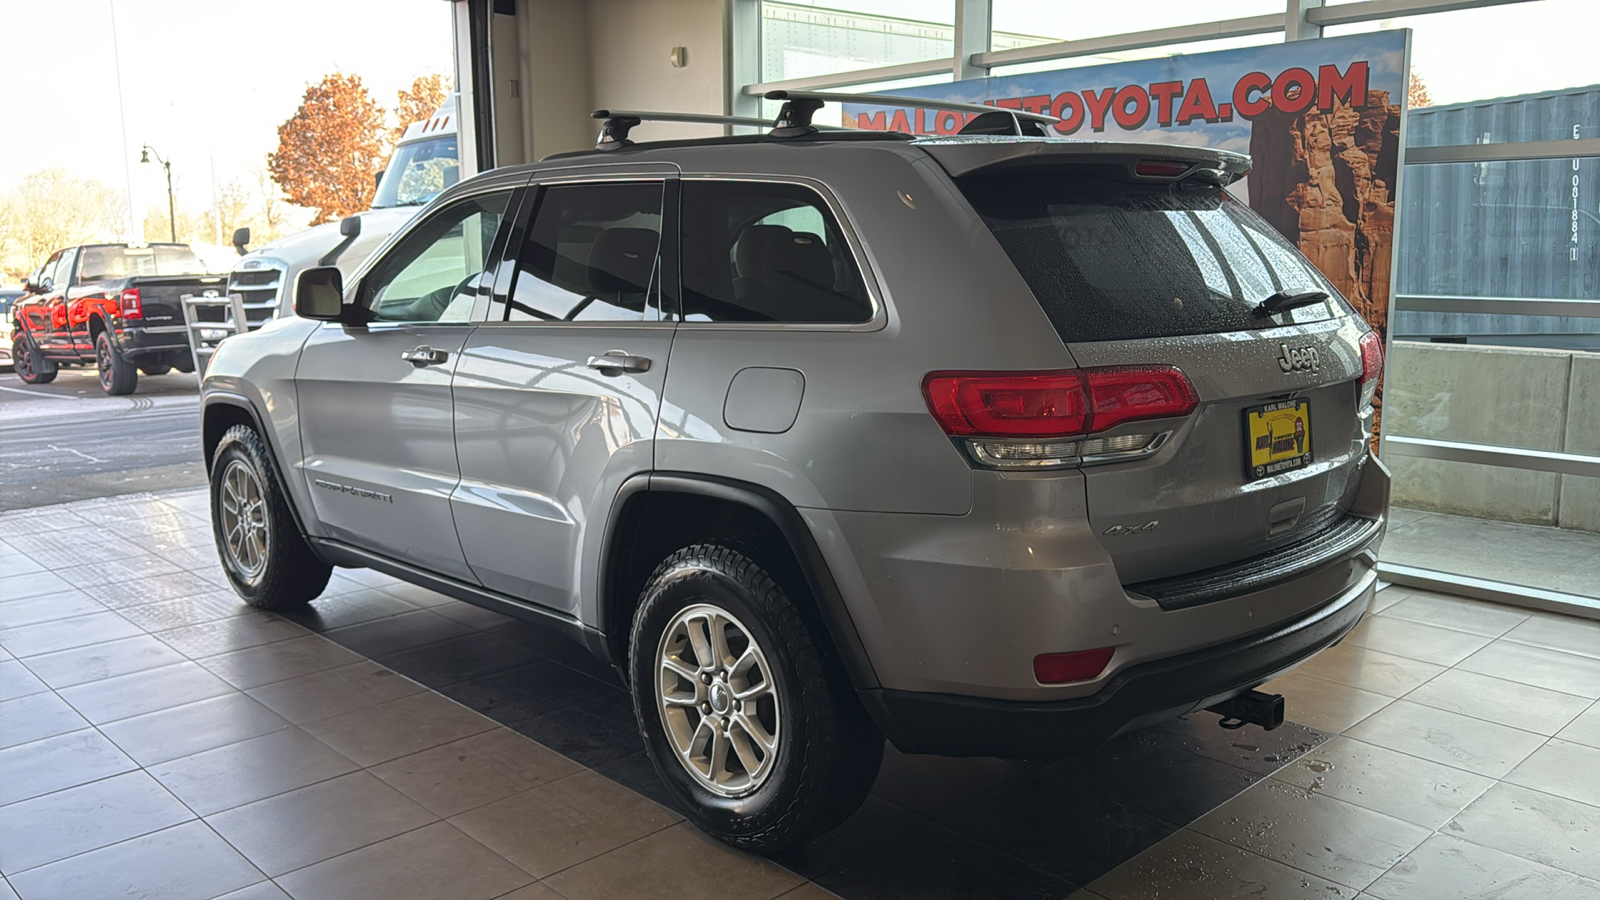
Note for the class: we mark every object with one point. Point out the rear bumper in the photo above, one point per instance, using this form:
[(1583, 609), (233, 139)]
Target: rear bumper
[(136, 342), (1137, 696)]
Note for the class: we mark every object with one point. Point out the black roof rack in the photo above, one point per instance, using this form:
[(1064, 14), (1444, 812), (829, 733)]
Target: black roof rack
[(800, 106), (618, 122)]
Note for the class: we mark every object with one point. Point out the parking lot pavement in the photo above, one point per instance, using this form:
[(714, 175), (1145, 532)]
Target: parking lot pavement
[(68, 441)]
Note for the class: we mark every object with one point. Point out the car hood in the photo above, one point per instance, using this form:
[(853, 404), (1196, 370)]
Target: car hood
[(305, 247)]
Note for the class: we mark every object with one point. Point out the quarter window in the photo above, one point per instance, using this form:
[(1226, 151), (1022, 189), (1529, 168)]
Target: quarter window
[(766, 252), (592, 254), (434, 274)]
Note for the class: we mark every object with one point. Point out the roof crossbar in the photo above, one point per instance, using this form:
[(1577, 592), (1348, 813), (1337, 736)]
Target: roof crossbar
[(618, 122), (799, 106)]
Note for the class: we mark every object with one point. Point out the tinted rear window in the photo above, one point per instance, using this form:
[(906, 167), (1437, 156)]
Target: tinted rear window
[(1113, 261)]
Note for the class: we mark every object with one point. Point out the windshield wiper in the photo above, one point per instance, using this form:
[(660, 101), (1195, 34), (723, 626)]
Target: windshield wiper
[(1284, 300)]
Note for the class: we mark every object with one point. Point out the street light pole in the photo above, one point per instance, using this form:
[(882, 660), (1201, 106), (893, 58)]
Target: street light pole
[(172, 215)]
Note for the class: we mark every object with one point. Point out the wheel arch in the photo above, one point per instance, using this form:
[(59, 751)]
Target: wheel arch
[(98, 326), (220, 412), (699, 507)]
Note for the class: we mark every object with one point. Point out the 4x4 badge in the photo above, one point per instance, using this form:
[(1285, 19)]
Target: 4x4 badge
[(1295, 359), (1151, 525)]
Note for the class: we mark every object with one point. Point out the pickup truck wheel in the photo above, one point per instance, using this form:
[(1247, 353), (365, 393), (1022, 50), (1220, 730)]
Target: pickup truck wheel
[(117, 375), (29, 364), (267, 561), (758, 741)]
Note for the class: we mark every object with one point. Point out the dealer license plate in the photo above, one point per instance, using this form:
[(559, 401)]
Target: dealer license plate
[(1279, 436)]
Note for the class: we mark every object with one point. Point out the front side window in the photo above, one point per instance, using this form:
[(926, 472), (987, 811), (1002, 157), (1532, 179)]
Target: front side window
[(592, 254), (766, 252), (433, 275)]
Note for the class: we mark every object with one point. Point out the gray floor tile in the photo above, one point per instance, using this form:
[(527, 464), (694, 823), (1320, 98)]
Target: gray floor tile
[(536, 891), (1534, 825), (1564, 769), (1414, 640), (398, 728), (120, 594), (191, 728), (47, 608), (1585, 729), (32, 584), (1457, 613), (1447, 866), (66, 823), (1324, 705), (81, 665), (36, 716), (263, 890), (435, 862), (140, 692), (468, 773), (1369, 670), (314, 823), (1579, 889), (251, 770), (17, 563), (564, 823), (1566, 633), (1191, 865), (1497, 700), (1527, 664), (334, 691), (1387, 781), (680, 862), (62, 634), (252, 629), (16, 681), (1455, 740), (132, 568), (195, 610), (1344, 843), (63, 761), (185, 862), (6, 893), (280, 661), (336, 609)]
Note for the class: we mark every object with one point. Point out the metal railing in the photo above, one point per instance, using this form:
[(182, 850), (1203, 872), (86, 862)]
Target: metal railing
[(200, 346)]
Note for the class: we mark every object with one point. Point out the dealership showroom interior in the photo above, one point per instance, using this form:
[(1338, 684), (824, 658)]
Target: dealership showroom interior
[(747, 449)]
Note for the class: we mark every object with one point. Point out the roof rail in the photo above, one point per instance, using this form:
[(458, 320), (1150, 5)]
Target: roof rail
[(618, 122), (800, 106)]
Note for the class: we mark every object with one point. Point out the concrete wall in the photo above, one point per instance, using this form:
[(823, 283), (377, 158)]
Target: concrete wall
[(1534, 399)]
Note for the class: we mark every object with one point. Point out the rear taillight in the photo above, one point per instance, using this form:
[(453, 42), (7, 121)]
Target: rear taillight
[(1079, 665), (1034, 419), (1160, 168), (128, 306), (1371, 366)]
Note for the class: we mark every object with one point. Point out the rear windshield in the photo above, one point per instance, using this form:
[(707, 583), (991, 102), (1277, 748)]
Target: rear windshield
[(115, 261), (1112, 261)]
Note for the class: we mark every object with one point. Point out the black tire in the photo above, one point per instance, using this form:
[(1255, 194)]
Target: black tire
[(118, 375), (29, 364), (289, 575), (155, 370), (827, 750)]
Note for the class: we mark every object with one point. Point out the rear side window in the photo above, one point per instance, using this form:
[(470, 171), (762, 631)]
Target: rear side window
[(1113, 261), (766, 252)]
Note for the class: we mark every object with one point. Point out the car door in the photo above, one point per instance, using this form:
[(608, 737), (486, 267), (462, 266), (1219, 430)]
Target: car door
[(55, 335), (557, 393), (375, 407)]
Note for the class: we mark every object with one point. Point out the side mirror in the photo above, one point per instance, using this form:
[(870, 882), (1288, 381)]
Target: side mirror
[(31, 286), (241, 239), (319, 294), (48, 285), (350, 226)]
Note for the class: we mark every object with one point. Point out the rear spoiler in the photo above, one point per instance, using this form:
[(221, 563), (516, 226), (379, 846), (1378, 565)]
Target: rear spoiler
[(1123, 160)]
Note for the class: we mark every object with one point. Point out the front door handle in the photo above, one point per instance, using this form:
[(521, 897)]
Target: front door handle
[(424, 356), (615, 361)]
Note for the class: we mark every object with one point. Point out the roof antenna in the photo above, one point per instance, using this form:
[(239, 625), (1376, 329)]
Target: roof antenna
[(614, 131), (794, 119)]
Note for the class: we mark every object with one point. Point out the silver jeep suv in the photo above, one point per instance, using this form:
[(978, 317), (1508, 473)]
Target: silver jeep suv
[(994, 446)]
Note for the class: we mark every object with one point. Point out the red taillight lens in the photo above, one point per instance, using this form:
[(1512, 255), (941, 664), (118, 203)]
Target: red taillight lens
[(128, 305), (1079, 665), (1067, 403), (1160, 168), (1371, 365)]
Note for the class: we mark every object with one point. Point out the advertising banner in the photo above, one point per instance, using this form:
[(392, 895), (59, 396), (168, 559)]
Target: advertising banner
[(1319, 118)]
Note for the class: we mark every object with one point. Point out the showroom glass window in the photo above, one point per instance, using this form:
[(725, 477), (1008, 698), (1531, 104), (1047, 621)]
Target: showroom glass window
[(433, 274), (592, 254), (766, 252)]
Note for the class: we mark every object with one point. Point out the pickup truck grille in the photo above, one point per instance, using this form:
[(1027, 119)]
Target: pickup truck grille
[(260, 289)]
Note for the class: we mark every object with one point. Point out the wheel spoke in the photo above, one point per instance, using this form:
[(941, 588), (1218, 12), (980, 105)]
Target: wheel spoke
[(719, 639), (740, 673), (758, 732), (700, 639), (719, 755), (746, 752), (679, 667)]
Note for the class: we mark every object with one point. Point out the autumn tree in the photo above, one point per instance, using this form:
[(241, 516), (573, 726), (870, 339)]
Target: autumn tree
[(330, 149), (1417, 93), (420, 101), (51, 209)]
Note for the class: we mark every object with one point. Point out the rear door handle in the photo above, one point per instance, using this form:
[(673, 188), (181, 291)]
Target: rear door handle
[(424, 356), (615, 361)]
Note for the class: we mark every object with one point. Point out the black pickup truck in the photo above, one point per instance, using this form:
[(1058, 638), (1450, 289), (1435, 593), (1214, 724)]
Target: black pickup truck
[(117, 306)]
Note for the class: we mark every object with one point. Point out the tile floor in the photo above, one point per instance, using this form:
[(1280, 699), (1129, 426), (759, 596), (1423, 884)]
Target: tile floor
[(160, 739)]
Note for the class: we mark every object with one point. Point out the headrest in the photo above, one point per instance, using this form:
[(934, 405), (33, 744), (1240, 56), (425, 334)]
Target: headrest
[(574, 244), (803, 257), (750, 254), (623, 260)]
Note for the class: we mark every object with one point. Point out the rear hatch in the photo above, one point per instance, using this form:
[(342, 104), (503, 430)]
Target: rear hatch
[(1135, 267), (161, 298)]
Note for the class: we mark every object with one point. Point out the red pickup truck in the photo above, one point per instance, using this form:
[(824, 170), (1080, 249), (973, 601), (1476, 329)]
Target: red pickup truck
[(116, 306)]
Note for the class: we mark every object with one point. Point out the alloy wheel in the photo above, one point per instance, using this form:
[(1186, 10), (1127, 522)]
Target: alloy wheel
[(102, 358), (244, 519), (718, 700)]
